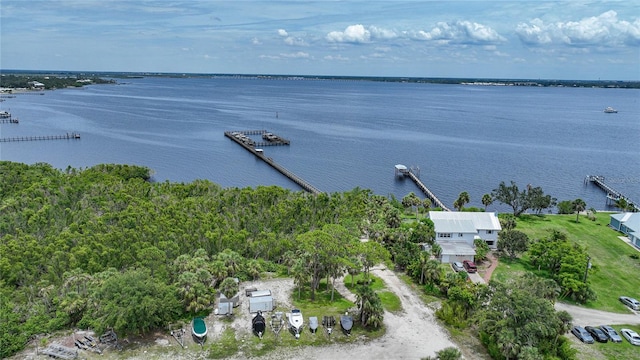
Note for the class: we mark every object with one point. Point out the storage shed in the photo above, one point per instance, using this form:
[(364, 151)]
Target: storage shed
[(261, 303), (225, 305)]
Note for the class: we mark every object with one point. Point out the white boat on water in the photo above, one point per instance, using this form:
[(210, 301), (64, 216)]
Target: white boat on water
[(295, 322), (610, 110)]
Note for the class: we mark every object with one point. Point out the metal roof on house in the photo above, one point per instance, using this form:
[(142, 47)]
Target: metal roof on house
[(454, 226), (480, 220), (456, 248)]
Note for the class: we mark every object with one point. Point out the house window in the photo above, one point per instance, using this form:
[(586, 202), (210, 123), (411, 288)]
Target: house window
[(490, 243), (445, 235), (460, 234), (489, 232)]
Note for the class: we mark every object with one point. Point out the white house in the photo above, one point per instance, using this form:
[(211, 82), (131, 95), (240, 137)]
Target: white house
[(456, 231), (629, 224)]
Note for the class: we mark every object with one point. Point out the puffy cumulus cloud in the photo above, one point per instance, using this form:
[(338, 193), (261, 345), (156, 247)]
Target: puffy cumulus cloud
[(283, 32), (459, 32), (359, 34), (603, 30), (352, 34)]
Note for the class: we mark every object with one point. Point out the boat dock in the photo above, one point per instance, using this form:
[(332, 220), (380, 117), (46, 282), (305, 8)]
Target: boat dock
[(73, 135), (241, 138), (612, 194), (9, 120), (402, 170)]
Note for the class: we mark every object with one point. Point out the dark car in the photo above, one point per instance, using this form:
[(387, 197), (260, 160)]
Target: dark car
[(597, 334), (611, 333), (470, 266), (582, 334)]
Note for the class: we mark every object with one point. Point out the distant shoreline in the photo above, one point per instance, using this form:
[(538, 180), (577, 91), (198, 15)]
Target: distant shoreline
[(617, 84)]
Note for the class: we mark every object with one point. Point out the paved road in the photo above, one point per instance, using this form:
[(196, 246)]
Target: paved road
[(584, 317)]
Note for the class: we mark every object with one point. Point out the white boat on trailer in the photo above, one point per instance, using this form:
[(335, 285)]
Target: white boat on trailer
[(295, 322)]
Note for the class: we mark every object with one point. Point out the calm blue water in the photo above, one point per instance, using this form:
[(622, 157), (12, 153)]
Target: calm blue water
[(344, 134)]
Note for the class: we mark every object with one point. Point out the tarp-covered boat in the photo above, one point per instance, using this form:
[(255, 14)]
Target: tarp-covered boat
[(258, 324), (346, 322), (313, 324)]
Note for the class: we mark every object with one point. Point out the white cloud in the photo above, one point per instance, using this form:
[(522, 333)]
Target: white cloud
[(294, 41), (256, 41), (282, 32), (297, 55), (336, 58), (603, 30), (460, 32), (352, 34)]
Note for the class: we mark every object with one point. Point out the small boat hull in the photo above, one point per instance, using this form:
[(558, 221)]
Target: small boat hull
[(199, 330), (346, 323), (258, 324), (296, 322)]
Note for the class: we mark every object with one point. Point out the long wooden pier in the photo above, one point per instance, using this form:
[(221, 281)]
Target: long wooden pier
[(612, 194), (250, 146), (73, 135), (404, 171)]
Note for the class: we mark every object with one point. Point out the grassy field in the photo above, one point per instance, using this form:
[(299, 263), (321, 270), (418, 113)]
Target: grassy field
[(615, 264), (614, 272)]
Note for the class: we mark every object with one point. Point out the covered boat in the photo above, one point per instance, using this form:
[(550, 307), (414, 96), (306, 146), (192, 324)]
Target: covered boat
[(199, 330), (313, 324), (295, 322), (346, 322), (258, 324)]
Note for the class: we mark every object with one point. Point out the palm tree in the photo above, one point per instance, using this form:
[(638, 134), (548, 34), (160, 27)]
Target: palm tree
[(300, 275), (462, 200), (436, 250), (431, 271), (578, 205), (370, 306), (487, 200)]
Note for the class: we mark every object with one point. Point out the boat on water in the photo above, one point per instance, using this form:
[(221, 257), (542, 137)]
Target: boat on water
[(346, 322), (259, 324), (199, 330), (295, 322), (610, 110)]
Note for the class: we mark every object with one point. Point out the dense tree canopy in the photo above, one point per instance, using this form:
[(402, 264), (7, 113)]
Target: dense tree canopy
[(70, 239)]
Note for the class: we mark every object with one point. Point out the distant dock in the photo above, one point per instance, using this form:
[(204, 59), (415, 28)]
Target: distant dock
[(612, 194), (67, 136), (402, 170), (270, 139)]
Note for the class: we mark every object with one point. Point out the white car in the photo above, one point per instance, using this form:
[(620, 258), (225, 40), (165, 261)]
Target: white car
[(630, 302), (457, 266), (631, 335)]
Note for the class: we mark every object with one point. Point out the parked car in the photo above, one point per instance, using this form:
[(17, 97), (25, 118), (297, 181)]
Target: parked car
[(631, 335), (611, 333), (457, 266), (582, 334), (470, 266), (630, 302), (597, 334)]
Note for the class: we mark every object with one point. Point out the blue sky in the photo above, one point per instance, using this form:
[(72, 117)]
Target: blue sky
[(486, 39)]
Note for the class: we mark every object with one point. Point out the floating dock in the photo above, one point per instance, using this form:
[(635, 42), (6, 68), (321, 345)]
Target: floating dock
[(612, 194), (73, 135), (402, 170), (249, 144)]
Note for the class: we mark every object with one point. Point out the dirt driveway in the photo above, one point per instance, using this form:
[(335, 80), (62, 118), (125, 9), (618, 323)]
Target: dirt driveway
[(584, 317)]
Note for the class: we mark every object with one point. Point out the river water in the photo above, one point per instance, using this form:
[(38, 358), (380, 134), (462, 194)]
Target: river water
[(344, 134)]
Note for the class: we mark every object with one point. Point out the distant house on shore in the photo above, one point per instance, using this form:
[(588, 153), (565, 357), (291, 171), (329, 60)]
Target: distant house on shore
[(35, 85), (456, 232), (628, 224)]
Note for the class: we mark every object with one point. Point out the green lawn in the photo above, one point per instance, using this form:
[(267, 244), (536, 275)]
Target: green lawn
[(614, 272)]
